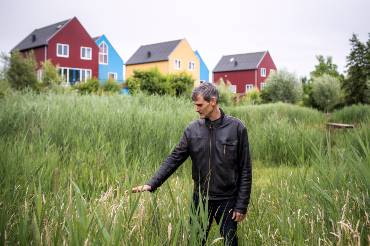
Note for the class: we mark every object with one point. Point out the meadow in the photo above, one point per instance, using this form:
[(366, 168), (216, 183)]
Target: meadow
[(68, 163)]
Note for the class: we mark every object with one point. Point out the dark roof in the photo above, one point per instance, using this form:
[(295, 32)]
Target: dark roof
[(153, 52), (40, 36), (97, 37), (238, 62)]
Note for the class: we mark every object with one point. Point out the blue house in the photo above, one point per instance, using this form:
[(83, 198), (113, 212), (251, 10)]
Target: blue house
[(204, 72), (111, 65)]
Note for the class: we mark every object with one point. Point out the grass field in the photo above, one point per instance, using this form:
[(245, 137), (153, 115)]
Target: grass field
[(67, 163)]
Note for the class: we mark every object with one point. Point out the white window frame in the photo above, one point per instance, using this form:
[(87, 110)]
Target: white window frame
[(249, 87), (66, 81), (115, 75), (86, 49), (103, 54), (232, 88), (177, 64), (263, 84), (263, 72), (63, 46), (191, 66)]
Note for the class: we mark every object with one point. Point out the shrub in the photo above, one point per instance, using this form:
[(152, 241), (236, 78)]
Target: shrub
[(152, 82), (50, 75), (326, 92), (133, 85), (225, 95), (181, 83), (21, 72), (282, 86), (88, 87), (251, 98), (5, 88), (111, 86)]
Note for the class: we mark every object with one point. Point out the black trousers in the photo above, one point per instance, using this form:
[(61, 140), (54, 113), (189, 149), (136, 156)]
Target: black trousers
[(221, 211)]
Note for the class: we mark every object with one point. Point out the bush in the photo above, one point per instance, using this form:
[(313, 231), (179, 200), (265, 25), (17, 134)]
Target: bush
[(5, 88), (111, 86), (88, 87), (133, 85), (251, 98), (152, 82), (50, 75), (21, 72), (225, 95), (282, 86), (181, 83), (326, 92)]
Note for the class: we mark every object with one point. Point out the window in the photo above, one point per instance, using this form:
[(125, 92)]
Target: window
[(177, 64), (248, 87), (62, 50), (232, 88), (103, 53), (263, 85), (191, 65), (86, 53), (112, 76), (263, 72), (72, 75)]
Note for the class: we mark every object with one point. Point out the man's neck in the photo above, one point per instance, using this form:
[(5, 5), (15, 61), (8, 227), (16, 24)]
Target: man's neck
[(216, 114)]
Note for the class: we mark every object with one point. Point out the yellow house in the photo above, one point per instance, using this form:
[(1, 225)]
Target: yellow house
[(169, 57)]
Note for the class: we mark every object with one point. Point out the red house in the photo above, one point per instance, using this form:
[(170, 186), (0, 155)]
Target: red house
[(68, 45), (245, 72)]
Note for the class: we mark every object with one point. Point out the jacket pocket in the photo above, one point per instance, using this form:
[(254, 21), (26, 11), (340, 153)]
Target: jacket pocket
[(229, 150)]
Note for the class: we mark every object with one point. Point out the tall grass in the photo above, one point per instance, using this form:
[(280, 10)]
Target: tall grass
[(67, 164)]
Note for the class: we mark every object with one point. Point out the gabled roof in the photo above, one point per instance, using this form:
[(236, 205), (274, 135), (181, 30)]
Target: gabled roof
[(40, 36), (153, 52), (238, 62)]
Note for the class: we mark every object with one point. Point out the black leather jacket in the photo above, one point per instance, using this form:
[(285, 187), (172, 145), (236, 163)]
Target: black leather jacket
[(221, 160)]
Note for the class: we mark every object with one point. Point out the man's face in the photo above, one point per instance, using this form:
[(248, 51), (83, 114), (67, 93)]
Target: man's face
[(204, 108)]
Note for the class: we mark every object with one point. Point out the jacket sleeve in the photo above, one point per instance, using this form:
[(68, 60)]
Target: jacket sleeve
[(245, 174), (171, 163)]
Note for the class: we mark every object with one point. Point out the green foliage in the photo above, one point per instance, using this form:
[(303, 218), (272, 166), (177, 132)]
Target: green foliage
[(226, 97), (357, 83), (50, 76), (282, 86), (111, 86), (89, 87), (326, 92), (22, 71), (152, 82), (326, 67), (354, 114), (67, 164), (133, 85), (181, 83), (5, 88), (251, 98)]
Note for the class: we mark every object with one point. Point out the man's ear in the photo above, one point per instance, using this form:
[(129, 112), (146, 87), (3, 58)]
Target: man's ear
[(213, 101)]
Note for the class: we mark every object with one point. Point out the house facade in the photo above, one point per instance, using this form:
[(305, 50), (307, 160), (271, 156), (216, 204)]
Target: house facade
[(68, 46), (111, 65), (203, 69), (245, 72), (168, 57)]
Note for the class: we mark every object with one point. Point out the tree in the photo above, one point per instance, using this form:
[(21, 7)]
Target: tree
[(50, 74), (22, 71), (325, 67), (225, 95), (282, 86), (326, 92), (357, 83), (181, 83)]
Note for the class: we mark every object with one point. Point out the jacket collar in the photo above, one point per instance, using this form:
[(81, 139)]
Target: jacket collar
[(217, 122)]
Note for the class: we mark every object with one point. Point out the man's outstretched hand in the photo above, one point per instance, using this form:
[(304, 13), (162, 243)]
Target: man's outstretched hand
[(141, 188)]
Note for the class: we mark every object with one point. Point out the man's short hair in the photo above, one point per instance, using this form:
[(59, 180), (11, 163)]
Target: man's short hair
[(207, 90)]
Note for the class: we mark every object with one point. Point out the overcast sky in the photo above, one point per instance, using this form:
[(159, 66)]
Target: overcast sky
[(293, 31)]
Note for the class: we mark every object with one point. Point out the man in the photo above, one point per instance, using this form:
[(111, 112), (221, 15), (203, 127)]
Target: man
[(221, 165)]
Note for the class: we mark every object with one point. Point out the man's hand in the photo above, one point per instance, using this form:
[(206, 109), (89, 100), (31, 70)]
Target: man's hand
[(141, 188), (238, 216)]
